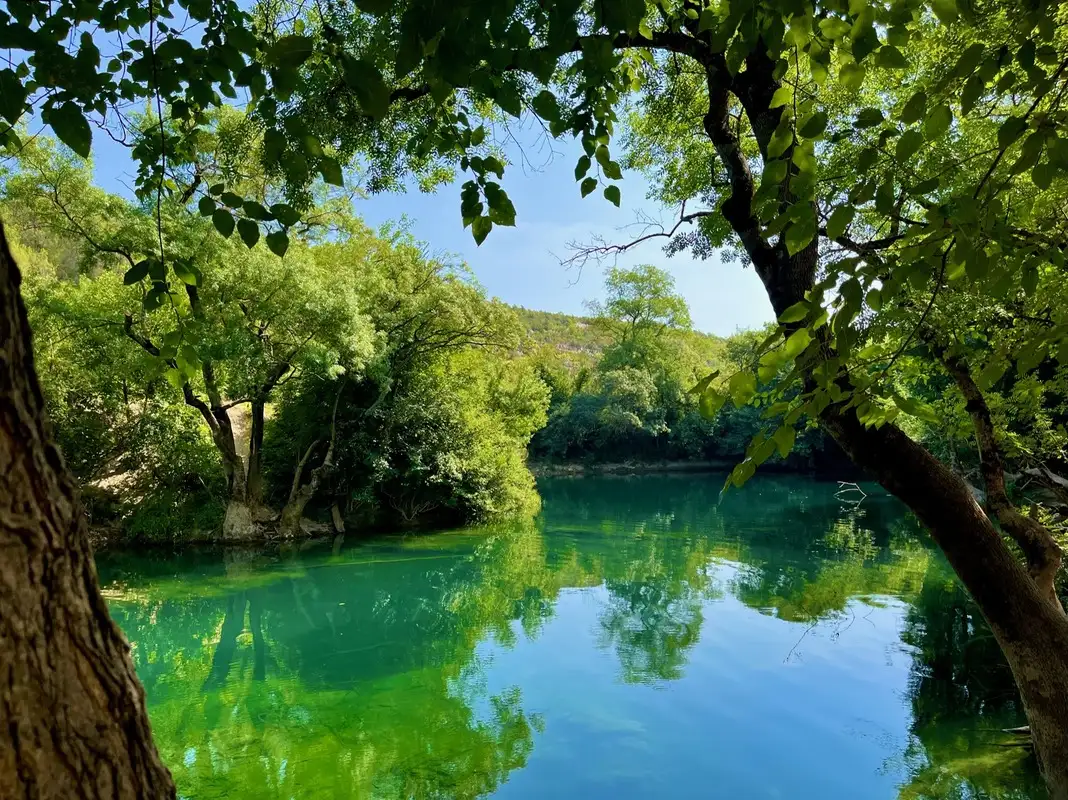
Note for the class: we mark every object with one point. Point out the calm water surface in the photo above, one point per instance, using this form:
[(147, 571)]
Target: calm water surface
[(640, 639)]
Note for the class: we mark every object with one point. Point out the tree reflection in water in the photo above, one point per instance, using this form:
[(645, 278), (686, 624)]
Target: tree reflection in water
[(361, 671)]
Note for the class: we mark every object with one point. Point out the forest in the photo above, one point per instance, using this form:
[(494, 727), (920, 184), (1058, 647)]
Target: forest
[(228, 353)]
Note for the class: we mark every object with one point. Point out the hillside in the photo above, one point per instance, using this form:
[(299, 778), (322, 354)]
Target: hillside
[(581, 339)]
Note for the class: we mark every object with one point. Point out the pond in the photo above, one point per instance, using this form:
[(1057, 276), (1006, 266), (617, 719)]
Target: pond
[(641, 638)]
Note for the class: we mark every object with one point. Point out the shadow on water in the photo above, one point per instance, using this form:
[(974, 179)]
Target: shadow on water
[(455, 665)]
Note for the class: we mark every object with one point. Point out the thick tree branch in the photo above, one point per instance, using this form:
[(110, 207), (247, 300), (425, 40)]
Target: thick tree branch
[(1038, 546), (738, 208)]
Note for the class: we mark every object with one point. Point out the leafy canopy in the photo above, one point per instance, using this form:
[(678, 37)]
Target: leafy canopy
[(879, 163)]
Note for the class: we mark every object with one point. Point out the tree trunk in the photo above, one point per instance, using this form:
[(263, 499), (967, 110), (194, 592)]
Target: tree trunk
[(1031, 630), (255, 455), (72, 712), (301, 494)]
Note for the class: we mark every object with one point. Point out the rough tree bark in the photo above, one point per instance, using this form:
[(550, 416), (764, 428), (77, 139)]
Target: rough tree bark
[(72, 712)]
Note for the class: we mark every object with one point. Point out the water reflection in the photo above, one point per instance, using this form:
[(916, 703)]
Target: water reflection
[(418, 667)]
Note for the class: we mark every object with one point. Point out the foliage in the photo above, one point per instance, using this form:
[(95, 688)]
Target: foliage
[(632, 400), (137, 404), (437, 424)]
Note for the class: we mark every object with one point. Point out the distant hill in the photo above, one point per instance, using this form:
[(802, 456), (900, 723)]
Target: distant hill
[(564, 332), (583, 340)]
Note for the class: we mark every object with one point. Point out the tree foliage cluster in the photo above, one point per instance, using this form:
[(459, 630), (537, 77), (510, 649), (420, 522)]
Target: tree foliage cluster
[(633, 398), (355, 371)]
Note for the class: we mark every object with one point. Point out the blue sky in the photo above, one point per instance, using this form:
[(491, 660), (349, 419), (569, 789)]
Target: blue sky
[(521, 265)]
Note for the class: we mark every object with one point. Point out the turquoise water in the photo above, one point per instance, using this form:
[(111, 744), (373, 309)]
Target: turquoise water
[(640, 639)]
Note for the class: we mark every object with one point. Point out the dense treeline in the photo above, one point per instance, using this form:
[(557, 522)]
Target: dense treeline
[(358, 381), (622, 380), (356, 377)]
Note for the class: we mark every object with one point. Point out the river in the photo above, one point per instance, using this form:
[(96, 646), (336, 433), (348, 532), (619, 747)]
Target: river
[(642, 638)]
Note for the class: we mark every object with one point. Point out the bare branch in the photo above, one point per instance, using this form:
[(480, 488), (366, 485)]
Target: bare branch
[(600, 249)]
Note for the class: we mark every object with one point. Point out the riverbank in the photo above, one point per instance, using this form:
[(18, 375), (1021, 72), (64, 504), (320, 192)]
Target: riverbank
[(552, 469)]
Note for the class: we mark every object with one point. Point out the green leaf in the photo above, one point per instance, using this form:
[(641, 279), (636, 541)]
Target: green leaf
[(231, 199), (587, 186), (290, 51), (704, 383), (797, 342), (800, 234), (969, 60), (868, 118), (795, 313), (781, 139), (331, 171), (70, 126), (1042, 176), (223, 221), (366, 83), (970, 94), (710, 403), (137, 272), (12, 96), (249, 232), (784, 439), (783, 96), (611, 194), (814, 126), (908, 144), (938, 122), (255, 210), (174, 378), (889, 57), (851, 76), (991, 373), (839, 221), (501, 209), (546, 106), (914, 108), (185, 272), (285, 213), (1011, 130), (867, 159), (834, 28), (582, 167), (945, 10), (742, 473), (480, 228), (277, 242), (207, 206), (916, 409), (742, 387)]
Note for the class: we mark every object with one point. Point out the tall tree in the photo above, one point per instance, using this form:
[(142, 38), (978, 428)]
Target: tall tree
[(72, 708)]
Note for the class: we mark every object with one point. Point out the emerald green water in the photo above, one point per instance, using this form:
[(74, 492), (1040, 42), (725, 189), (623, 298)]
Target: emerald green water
[(640, 639)]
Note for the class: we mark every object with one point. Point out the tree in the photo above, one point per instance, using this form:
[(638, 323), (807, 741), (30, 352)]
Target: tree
[(436, 425), (239, 321), (943, 167), (640, 300), (73, 708)]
